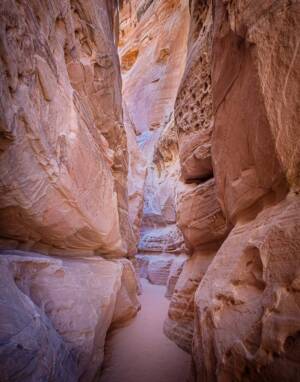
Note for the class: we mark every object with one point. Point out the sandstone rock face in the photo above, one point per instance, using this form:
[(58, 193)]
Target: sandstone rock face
[(136, 180), (272, 28), (31, 349), (174, 273), (166, 239), (193, 108), (247, 308), (152, 51), (127, 303), (199, 214), (179, 325), (248, 302), (243, 175), (200, 217), (63, 165), (155, 268), (64, 307)]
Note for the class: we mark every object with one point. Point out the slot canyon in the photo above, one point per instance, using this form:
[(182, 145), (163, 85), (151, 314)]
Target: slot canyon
[(150, 191)]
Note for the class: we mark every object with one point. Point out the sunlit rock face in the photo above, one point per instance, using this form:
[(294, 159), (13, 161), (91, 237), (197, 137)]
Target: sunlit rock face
[(159, 231), (193, 107), (64, 158), (246, 162), (152, 48), (137, 172), (63, 309), (246, 305)]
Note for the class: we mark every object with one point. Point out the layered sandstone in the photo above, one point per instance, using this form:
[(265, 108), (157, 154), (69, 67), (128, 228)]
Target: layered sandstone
[(200, 217), (137, 172), (159, 232), (193, 108), (179, 325), (150, 102), (247, 306), (246, 324), (152, 49), (63, 307), (64, 190), (64, 154), (199, 214)]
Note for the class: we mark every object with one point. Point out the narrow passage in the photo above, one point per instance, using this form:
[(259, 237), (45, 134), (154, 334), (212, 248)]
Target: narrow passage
[(140, 352)]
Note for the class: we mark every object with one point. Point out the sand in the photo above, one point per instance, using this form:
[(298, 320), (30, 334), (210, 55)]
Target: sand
[(140, 352)]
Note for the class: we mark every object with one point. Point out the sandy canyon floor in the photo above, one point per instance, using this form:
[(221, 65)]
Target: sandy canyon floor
[(140, 352)]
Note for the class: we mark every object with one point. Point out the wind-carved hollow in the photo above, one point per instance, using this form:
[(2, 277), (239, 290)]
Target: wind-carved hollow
[(253, 270)]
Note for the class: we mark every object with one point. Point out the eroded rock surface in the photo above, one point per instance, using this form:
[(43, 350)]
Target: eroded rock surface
[(246, 323), (179, 326), (31, 349), (65, 307), (64, 163), (152, 51), (199, 214), (250, 292), (200, 217), (193, 108)]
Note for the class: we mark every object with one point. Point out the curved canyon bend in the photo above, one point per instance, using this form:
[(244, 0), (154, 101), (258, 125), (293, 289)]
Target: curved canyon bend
[(149, 191)]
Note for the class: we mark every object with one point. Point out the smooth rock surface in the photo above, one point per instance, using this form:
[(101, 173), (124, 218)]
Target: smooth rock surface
[(152, 51), (31, 349), (77, 300), (246, 164), (137, 173), (174, 273)]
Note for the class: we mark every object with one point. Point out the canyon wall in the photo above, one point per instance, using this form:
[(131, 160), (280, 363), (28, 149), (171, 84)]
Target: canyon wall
[(236, 304), (64, 190), (199, 214), (64, 157), (152, 48)]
